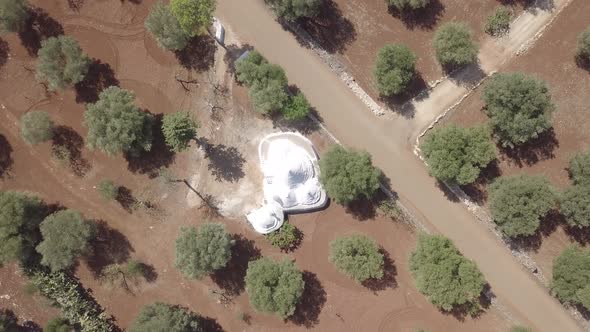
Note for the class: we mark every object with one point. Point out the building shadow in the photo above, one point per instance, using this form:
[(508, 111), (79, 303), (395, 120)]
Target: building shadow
[(160, 155), (231, 277), (389, 274), (548, 225), (38, 27), (199, 54), (313, 299), (232, 53), (401, 103), (4, 50), (477, 190), (226, 163), (99, 77), (6, 160), (424, 18), (108, 247), (66, 137), (533, 151)]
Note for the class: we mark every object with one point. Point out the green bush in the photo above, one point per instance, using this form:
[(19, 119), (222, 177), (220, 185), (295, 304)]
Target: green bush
[(571, 276), (13, 14), (392, 210), (458, 154), (291, 10), (519, 202), (583, 49), (135, 268), (297, 107), (394, 69), (442, 274), (274, 287), (357, 256), (179, 129), (348, 175), (575, 205), (517, 328), (286, 238), (57, 324), (202, 251), (408, 4), (36, 127), (454, 45), (194, 16), (61, 62), (248, 68), (61, 154), (164, 26), (107, 190), (115, 124), (165, 317), (519, 107), (499, 22), (269, 97), (579, 168)]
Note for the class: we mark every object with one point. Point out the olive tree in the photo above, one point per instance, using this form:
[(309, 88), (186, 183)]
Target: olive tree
[(348, 175), (274, 287), (442, 274), (454, 45), (357, 256), (583, 48), (575, 205), (159, 316), (571, 276), (394, 69), (66, 236), (13, 14), (408, 4), (115, 124), (270, 97), (499, 22), (57, 324), (519, 107), (164, 26), (579, 168), (291, 10), (297, 107), (202, 251), (458, 154), (194, 16), (179, 129), (61, 62), (36, 127), (519, 202)]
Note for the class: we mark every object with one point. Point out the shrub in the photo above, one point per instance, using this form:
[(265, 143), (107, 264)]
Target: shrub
[(575, 205), (274, 287), (57, 324), (107, 190), (135, 268), (248, 68), (164, 26), (579, 169), (458, 154), (200, 252), (571, 276), (116, 125), (499, 22), (519, 107), (454, 45), (66, 236), (165, 317), (394, 69), (408, 4), (194, 16), (20, 216), (357, 256), (286, 238), (13, 14), (348, 175), (291, 10), (61, 154), (442, 274), (61, 62), (179, 129), (270, 97), (392, 210), (583, 49), (297, 107), (519, 202), (36, 127)]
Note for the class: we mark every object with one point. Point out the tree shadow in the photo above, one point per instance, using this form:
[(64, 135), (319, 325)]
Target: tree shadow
[(6, 160), (425, 18), (330, 28), (109, 247), (38, 27), (232, 54), (99, 77), (226, 163), (209, 324), (30, 326), (578, 234), (447, 192), (362, 209), (4, 50), (66, 137), (160, 155), (477, 190), (533, 151), (313, 299), (548, 225), (389, 274), (126, 199), (402, 103), (149, 273), (581, 61), (468, 76), (231, 277), (75, 5), (473, 309), (199, 54)]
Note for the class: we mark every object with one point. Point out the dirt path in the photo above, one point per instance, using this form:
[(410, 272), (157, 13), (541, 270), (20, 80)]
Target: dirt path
[(388, 142)]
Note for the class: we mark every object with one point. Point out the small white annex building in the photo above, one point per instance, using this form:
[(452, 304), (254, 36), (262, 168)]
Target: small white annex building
[(291, 184)]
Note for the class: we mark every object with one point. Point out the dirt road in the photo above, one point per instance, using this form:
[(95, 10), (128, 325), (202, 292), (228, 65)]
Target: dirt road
[(349, 120)]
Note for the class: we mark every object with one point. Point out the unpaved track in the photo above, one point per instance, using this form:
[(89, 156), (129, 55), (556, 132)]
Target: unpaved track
[(388, 142)]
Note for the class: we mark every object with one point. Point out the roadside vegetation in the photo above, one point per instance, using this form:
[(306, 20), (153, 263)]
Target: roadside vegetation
[(292, 10), (571, 276)]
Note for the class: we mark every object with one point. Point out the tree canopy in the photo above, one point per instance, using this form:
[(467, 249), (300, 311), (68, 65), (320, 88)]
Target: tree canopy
[(274, 287), (61, 62), (583, 49), (159, 316), (202, 251), (13, 14), (116, 125), (579, 168), (571, 276), (165, 28), (519, 202), (575, 205), (357, 256), (454, 45), (348, 175), (297, 107), (408, 4), (194, 16), (66, 236), (57, 324), (499, 22), (36, 127), (394, 69), (442, 274), (20, 216), (458, 154), (519, 107), (179, 129), (291, 10)]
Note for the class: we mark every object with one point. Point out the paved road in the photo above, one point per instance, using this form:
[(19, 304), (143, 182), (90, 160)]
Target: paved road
[(387, 140)]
